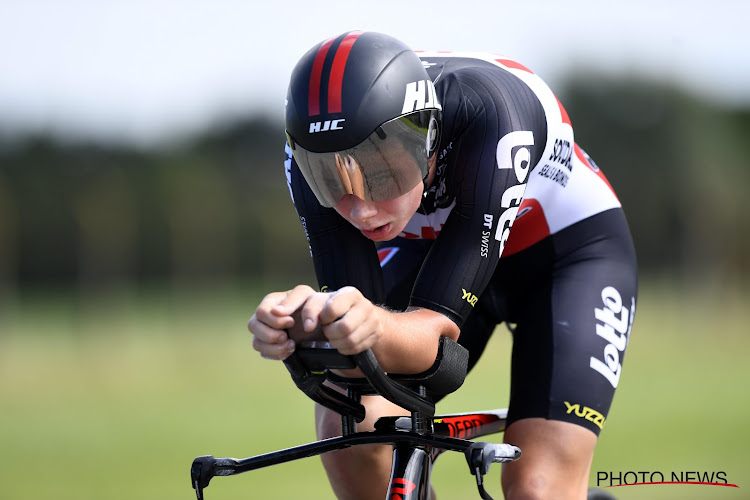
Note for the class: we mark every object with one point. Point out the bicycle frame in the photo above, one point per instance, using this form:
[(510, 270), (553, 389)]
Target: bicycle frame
[(417, 440)]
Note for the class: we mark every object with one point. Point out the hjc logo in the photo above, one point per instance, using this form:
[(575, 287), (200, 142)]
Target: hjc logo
[(610, 368), (469, 297), (326, 125), (520, 162), (420, 95)]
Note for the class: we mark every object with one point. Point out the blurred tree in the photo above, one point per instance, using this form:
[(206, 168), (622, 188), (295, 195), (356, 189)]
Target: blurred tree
[(217, 207)]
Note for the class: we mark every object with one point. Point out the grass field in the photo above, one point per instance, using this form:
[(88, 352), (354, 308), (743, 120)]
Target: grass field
[(110, 397)]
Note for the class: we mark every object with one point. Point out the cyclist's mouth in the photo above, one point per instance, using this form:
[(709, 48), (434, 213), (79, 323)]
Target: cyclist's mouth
[(377, 233)]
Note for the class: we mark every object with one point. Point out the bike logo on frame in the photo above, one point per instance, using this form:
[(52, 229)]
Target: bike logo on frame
[(399, 487)]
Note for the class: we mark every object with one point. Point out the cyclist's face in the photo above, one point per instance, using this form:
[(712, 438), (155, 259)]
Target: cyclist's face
[(380, 220)]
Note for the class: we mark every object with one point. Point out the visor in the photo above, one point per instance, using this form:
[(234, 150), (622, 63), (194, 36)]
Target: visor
[(388, 164)]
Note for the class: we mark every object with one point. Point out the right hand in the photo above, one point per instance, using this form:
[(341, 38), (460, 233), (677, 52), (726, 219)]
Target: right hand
[(278, 312)]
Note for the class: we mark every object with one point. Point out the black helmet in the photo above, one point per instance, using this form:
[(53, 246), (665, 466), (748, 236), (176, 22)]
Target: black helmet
[(362, 118)]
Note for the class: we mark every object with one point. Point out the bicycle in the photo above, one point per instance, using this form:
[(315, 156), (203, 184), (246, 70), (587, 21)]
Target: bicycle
[(417, 440)]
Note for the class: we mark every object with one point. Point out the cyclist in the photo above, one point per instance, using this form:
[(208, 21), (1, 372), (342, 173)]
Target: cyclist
[(462, 168)]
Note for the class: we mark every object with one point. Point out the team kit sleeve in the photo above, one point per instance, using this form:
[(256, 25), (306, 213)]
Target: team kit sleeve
[(492, 156), (342, 256)]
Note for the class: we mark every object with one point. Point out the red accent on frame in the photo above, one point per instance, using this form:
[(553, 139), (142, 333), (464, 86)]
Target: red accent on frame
[(336, 79), (313, 96), (408, 487)]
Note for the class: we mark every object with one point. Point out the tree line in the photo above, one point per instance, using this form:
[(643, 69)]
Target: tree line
[(216, 205)]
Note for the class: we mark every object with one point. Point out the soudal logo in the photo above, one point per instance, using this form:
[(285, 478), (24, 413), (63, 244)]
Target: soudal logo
[(327, 125), (513, 153), (420, 95)]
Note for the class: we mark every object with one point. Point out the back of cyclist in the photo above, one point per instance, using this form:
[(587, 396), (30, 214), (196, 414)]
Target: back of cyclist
[(464, 170)]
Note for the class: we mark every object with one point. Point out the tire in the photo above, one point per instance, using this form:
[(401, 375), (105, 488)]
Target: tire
[(595, 494)]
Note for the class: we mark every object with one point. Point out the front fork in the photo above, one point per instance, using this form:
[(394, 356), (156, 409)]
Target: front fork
[(411, 467)]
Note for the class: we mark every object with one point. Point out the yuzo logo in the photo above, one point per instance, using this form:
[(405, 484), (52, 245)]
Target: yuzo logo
[(469, 297), (585, 412)]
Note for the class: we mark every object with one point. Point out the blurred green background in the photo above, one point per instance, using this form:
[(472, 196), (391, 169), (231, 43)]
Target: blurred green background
[(128, 276), (128, 272)]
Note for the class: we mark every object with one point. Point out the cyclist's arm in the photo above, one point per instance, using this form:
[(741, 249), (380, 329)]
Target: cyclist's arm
[(403, 342), (489, 151), (342, 256)]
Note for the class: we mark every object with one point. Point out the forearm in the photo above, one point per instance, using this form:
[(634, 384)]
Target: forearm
[(409, 340)]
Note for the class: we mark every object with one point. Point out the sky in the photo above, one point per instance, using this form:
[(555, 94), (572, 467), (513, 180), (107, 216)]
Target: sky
[(142, 71)]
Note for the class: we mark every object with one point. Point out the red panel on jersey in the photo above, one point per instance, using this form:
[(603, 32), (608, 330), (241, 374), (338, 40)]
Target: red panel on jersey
[(529, 227), (427, 233), (565, 117), (513, 64), (582, 156), (386, 254)]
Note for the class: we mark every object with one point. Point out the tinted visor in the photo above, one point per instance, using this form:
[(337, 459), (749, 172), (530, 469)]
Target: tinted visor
[(388, 164)]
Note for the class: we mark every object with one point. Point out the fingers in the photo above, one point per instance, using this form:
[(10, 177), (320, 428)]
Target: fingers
[(312, 309), (269, 334), (351, 322), (339, 303), (272, 317), (293, 300)]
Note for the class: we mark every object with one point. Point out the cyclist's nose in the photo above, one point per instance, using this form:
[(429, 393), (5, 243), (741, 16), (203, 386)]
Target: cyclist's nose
[(361, 210)]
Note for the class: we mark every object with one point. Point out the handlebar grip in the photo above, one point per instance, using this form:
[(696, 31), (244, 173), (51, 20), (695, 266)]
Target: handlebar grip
[(505, 453), (312, 385), (390, 390)]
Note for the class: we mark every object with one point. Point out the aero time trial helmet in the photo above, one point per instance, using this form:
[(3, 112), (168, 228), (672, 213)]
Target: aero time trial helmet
[(362, 118)]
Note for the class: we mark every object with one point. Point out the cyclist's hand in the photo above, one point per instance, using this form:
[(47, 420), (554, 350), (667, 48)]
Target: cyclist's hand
[(350, 322), (275, 314)]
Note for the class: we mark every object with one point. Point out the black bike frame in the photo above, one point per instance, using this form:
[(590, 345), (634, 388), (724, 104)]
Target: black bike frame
[(417, 440), (413, 453)]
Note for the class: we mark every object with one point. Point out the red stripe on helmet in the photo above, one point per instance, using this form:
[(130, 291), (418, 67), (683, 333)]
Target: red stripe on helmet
[(336, 79), (313, 96)]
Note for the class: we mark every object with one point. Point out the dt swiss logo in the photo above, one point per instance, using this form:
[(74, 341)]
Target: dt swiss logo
[(326, 125)]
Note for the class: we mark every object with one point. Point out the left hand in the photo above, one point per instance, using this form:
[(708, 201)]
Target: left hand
[(350, 322)]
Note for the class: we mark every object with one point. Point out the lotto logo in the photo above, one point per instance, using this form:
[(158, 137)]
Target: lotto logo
[(609, 323), (520, 163)]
